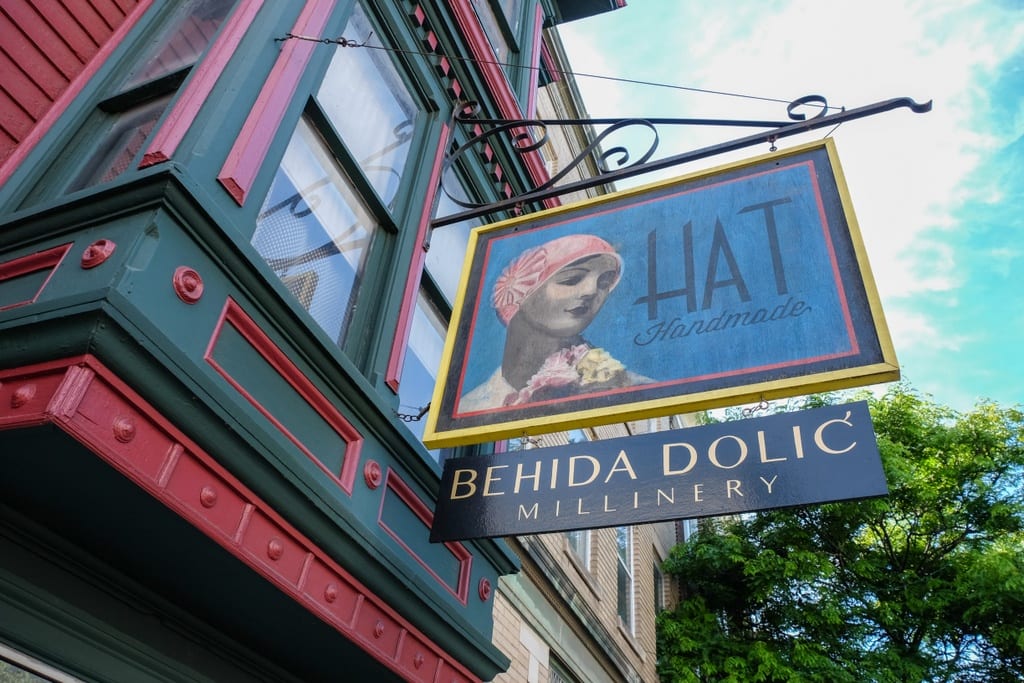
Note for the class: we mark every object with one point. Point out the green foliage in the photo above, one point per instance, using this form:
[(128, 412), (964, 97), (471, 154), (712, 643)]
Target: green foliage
[(926, 584), (9, 673)]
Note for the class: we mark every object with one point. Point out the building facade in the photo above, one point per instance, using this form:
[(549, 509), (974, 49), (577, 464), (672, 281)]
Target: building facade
[(221, 304), (583, 607)]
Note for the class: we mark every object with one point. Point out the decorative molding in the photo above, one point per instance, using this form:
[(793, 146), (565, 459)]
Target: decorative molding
[(400, 342), (165, 142), (261, 344), (250, 149), (123, 428), (535, 60), (188, 284), (497, 83), (48, 259), (22, 395), (372, 474), (80, 395), (394, 484), (97, 253)]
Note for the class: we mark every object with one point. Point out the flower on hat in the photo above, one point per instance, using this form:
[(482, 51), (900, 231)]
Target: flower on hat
[(531, 269), (519, 279)]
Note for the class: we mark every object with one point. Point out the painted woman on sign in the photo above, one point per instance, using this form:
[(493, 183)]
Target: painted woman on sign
[(545, 298)]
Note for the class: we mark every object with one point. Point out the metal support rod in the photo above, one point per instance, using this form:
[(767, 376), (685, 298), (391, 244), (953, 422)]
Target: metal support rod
[(778, 131)]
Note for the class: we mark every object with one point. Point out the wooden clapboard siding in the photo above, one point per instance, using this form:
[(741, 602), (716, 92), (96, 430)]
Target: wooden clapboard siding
[(44, 46)]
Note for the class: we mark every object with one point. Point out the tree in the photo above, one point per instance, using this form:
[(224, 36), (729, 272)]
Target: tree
[(926, 584)]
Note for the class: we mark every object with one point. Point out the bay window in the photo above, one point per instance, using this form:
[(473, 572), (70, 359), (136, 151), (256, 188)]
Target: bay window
[(141, 97), (442, 270), (315, 232), (332, 198), (367, 102)]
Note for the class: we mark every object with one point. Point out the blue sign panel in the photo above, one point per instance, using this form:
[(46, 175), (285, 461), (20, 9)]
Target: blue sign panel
[(731, 286), (813, 456)]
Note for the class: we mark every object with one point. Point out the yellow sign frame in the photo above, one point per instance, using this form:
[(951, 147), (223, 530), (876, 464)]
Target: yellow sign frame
[(814, 221)]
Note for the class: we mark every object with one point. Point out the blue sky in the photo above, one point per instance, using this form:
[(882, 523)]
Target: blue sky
[(939, 197)]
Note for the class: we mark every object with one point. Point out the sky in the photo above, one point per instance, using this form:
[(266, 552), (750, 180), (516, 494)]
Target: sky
[(939, 197)]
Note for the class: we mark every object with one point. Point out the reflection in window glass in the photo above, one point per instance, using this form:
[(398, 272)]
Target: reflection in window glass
[(119, 145), (576, 436), (181, 41), (513, 11), (448, 243), (624, 540), (422, 361), (492, 29), (315, 232), (369, 105), (133, 111)]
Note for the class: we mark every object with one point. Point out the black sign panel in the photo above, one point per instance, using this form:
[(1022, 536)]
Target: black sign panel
[(813, 456)]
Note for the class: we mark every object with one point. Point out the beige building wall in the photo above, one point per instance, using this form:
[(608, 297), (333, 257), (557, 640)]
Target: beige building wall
[(558, 619)]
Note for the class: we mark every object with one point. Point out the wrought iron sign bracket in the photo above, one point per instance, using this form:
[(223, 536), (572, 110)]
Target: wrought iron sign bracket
[(528, 135)]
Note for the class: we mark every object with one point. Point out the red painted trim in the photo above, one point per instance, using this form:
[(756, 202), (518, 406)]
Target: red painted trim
[(549, 63), (56, 110), (394, 483), (497, 83), (258, 131), (89, 402), (24, 265), (400, 343), (163, 145), (233, 315), (535, 56)]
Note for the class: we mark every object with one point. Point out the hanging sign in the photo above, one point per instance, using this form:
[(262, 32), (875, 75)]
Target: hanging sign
[(813, 456), (730, 286)]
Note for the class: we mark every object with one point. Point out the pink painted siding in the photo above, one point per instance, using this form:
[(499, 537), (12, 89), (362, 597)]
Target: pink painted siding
[(46, 45)]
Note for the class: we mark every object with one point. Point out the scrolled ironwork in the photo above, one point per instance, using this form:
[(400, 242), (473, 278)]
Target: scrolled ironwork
[(528, 135)]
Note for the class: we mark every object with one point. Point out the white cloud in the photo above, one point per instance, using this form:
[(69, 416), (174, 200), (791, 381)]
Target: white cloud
[(909, 175)]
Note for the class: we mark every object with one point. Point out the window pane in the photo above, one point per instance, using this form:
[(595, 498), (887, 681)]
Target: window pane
[(624, 539), (448, 243), (422, 360), (559, 672), (513, 11), (369, 105), (579, 542), (119, 145), (659, 590), (181, 41), (315, 232), (495, 36)]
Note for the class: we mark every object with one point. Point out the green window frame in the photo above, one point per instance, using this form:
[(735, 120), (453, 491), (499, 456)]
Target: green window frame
[(505, 25), (115, 140), (327, 231)]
